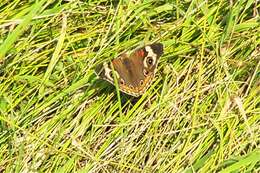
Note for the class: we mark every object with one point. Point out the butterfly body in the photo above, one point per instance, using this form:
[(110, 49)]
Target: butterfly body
[(134, 73)]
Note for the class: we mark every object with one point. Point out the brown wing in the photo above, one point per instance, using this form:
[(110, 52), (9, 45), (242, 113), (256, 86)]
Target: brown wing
[(135, 73)]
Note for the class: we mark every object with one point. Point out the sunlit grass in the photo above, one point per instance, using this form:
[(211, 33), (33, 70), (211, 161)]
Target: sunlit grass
[(201, 113)]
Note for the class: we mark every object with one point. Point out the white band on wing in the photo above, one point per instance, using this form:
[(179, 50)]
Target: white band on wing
[(108, 72), (150, 54)]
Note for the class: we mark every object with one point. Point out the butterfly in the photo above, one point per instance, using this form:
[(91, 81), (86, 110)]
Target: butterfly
[(133, 72)]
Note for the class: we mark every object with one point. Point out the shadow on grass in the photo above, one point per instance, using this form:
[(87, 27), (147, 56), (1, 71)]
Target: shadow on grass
[(105, 88)]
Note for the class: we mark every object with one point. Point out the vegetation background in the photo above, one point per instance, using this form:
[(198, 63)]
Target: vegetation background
[(201, 113)]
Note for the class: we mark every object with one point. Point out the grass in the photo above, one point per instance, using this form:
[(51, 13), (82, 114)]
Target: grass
[(201, 113)]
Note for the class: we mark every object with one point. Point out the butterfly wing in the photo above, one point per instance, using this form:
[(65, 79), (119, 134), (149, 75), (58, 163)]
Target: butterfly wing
[(134, 73), (137, 71)]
